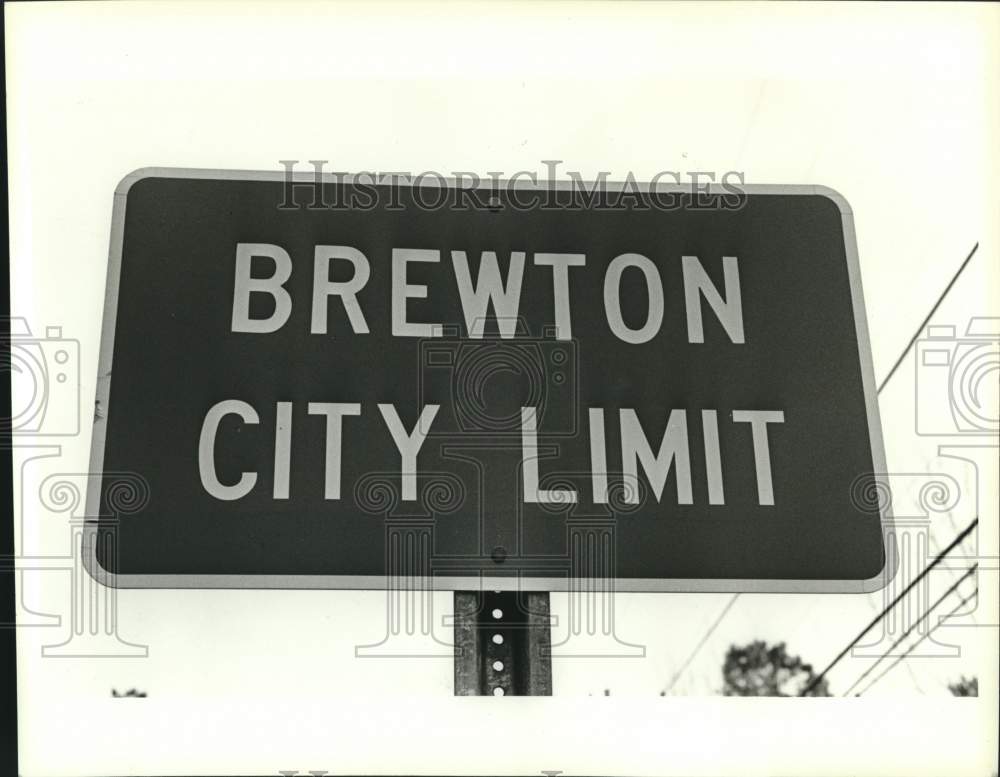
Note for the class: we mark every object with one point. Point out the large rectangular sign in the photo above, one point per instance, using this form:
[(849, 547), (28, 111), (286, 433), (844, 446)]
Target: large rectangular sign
[(346, 384)]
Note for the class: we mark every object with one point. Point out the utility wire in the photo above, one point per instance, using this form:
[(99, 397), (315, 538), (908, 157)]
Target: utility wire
[(882, 385), (914, 625), (912, 647), (937, 560), (923, 323), (700, 645)]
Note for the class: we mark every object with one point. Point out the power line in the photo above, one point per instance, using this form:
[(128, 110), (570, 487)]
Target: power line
[(937, 547), (937, 560), (912, 647), (882, 385), (700, 645), (914, 625), (927, 318)]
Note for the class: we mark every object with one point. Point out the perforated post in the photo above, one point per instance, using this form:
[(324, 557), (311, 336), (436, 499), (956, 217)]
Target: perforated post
[(502, 644)]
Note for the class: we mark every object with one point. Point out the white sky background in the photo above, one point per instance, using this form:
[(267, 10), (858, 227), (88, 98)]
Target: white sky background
[(895, 107)]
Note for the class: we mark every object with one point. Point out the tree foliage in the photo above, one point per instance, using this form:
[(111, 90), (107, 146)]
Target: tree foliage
[(965, 686), (129, 694), (759, 669)]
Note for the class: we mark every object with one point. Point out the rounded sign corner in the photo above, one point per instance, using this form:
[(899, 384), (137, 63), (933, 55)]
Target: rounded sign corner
[(135, 176), (838, 199), (93, 566)]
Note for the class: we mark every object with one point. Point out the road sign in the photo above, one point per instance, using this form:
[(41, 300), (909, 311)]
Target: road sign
[(347, 384)]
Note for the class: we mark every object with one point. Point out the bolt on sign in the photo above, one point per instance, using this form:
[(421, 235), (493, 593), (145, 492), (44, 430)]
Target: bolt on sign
[(336, 383)]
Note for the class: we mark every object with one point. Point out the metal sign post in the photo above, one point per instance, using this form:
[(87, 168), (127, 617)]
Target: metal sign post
[(502, 643)]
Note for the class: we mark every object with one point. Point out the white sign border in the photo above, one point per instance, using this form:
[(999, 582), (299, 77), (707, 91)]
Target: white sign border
[(484, 581)]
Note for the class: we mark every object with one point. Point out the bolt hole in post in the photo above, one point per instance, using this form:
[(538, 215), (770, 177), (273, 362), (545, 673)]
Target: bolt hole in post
[(502, 644)]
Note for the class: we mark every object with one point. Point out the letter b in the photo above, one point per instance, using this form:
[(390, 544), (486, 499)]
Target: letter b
[(274, 285)]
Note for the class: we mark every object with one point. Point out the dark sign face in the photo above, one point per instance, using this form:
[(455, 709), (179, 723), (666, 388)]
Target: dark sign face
[(348, 384)]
